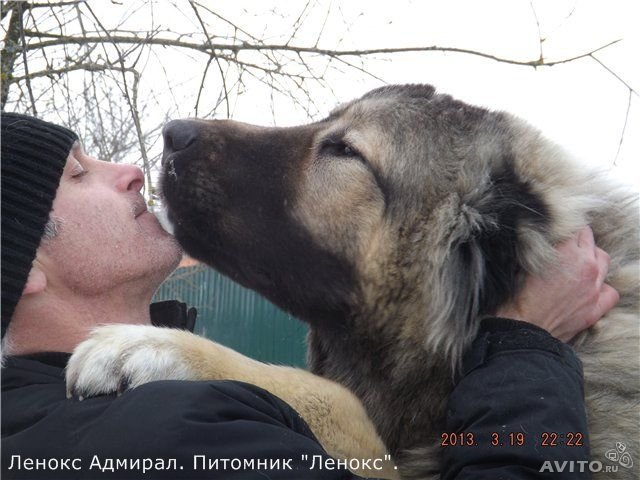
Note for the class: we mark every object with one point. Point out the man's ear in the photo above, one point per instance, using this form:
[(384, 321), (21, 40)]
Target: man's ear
[(36, 282)]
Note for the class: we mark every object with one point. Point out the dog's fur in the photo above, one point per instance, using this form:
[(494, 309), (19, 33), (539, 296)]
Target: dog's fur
[(391, 227)]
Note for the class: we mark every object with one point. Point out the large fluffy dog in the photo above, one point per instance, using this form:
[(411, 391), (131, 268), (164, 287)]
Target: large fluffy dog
[(390, 227)]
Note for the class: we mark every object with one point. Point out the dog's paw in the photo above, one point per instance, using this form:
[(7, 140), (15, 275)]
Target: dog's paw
[(118, 357)]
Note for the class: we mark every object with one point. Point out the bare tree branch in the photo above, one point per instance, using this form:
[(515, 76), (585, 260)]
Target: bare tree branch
[(298, 23), (11, 47), (89, 67), (55, 4), (244, 46), (540, 39), (624, 128), (132, 100), (213, 56), (26, 69), (612, 73)]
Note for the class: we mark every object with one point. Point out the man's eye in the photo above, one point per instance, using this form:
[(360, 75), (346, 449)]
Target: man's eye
[(79, 173)]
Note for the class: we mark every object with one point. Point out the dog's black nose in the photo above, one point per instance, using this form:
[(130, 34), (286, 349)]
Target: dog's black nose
[(178, 135)]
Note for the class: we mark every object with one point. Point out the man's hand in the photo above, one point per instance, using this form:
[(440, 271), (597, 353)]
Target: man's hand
[(571, 297)]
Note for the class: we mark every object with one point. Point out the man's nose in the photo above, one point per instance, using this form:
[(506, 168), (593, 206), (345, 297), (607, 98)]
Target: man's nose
[(129, 177)]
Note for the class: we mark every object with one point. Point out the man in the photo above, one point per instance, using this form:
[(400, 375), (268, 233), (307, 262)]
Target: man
[(80, 249)]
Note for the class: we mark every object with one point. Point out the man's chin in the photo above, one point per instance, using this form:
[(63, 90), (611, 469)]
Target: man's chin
[(166, 258)]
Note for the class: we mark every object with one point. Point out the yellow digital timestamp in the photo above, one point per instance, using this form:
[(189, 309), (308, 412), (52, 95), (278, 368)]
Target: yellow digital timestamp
[(513, 439)]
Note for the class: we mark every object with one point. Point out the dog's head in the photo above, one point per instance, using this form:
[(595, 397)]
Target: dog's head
[(403, 206)]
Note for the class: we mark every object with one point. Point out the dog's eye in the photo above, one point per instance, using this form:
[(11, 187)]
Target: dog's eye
[(339, 149), (348, 151)]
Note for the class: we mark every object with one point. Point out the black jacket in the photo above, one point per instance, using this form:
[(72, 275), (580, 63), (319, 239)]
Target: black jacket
[(520, 399), (516, 379), (160, 421)]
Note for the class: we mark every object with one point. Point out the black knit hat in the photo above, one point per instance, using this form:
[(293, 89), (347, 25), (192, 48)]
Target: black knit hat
[(34, 154)]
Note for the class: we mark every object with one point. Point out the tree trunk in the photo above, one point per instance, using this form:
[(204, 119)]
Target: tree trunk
[(12, 47)]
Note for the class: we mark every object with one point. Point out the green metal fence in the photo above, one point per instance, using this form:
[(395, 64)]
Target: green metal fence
[(237, 317)]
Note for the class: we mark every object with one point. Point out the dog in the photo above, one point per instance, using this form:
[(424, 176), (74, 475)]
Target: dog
[(391, 227)]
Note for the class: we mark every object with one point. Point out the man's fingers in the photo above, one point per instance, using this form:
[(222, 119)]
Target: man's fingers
[(609, 296), (603, 260)]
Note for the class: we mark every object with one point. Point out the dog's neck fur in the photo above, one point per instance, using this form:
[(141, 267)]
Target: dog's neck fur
[(381, 354), (404, 392)]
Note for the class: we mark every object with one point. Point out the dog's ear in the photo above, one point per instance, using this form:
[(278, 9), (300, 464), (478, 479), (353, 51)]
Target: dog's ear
[(455, 279), (496, 232)]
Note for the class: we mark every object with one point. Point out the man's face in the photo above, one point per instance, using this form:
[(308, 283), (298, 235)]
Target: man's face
[(106, 237)]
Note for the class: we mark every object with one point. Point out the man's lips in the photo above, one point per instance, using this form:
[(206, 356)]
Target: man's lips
[(139, 208)]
